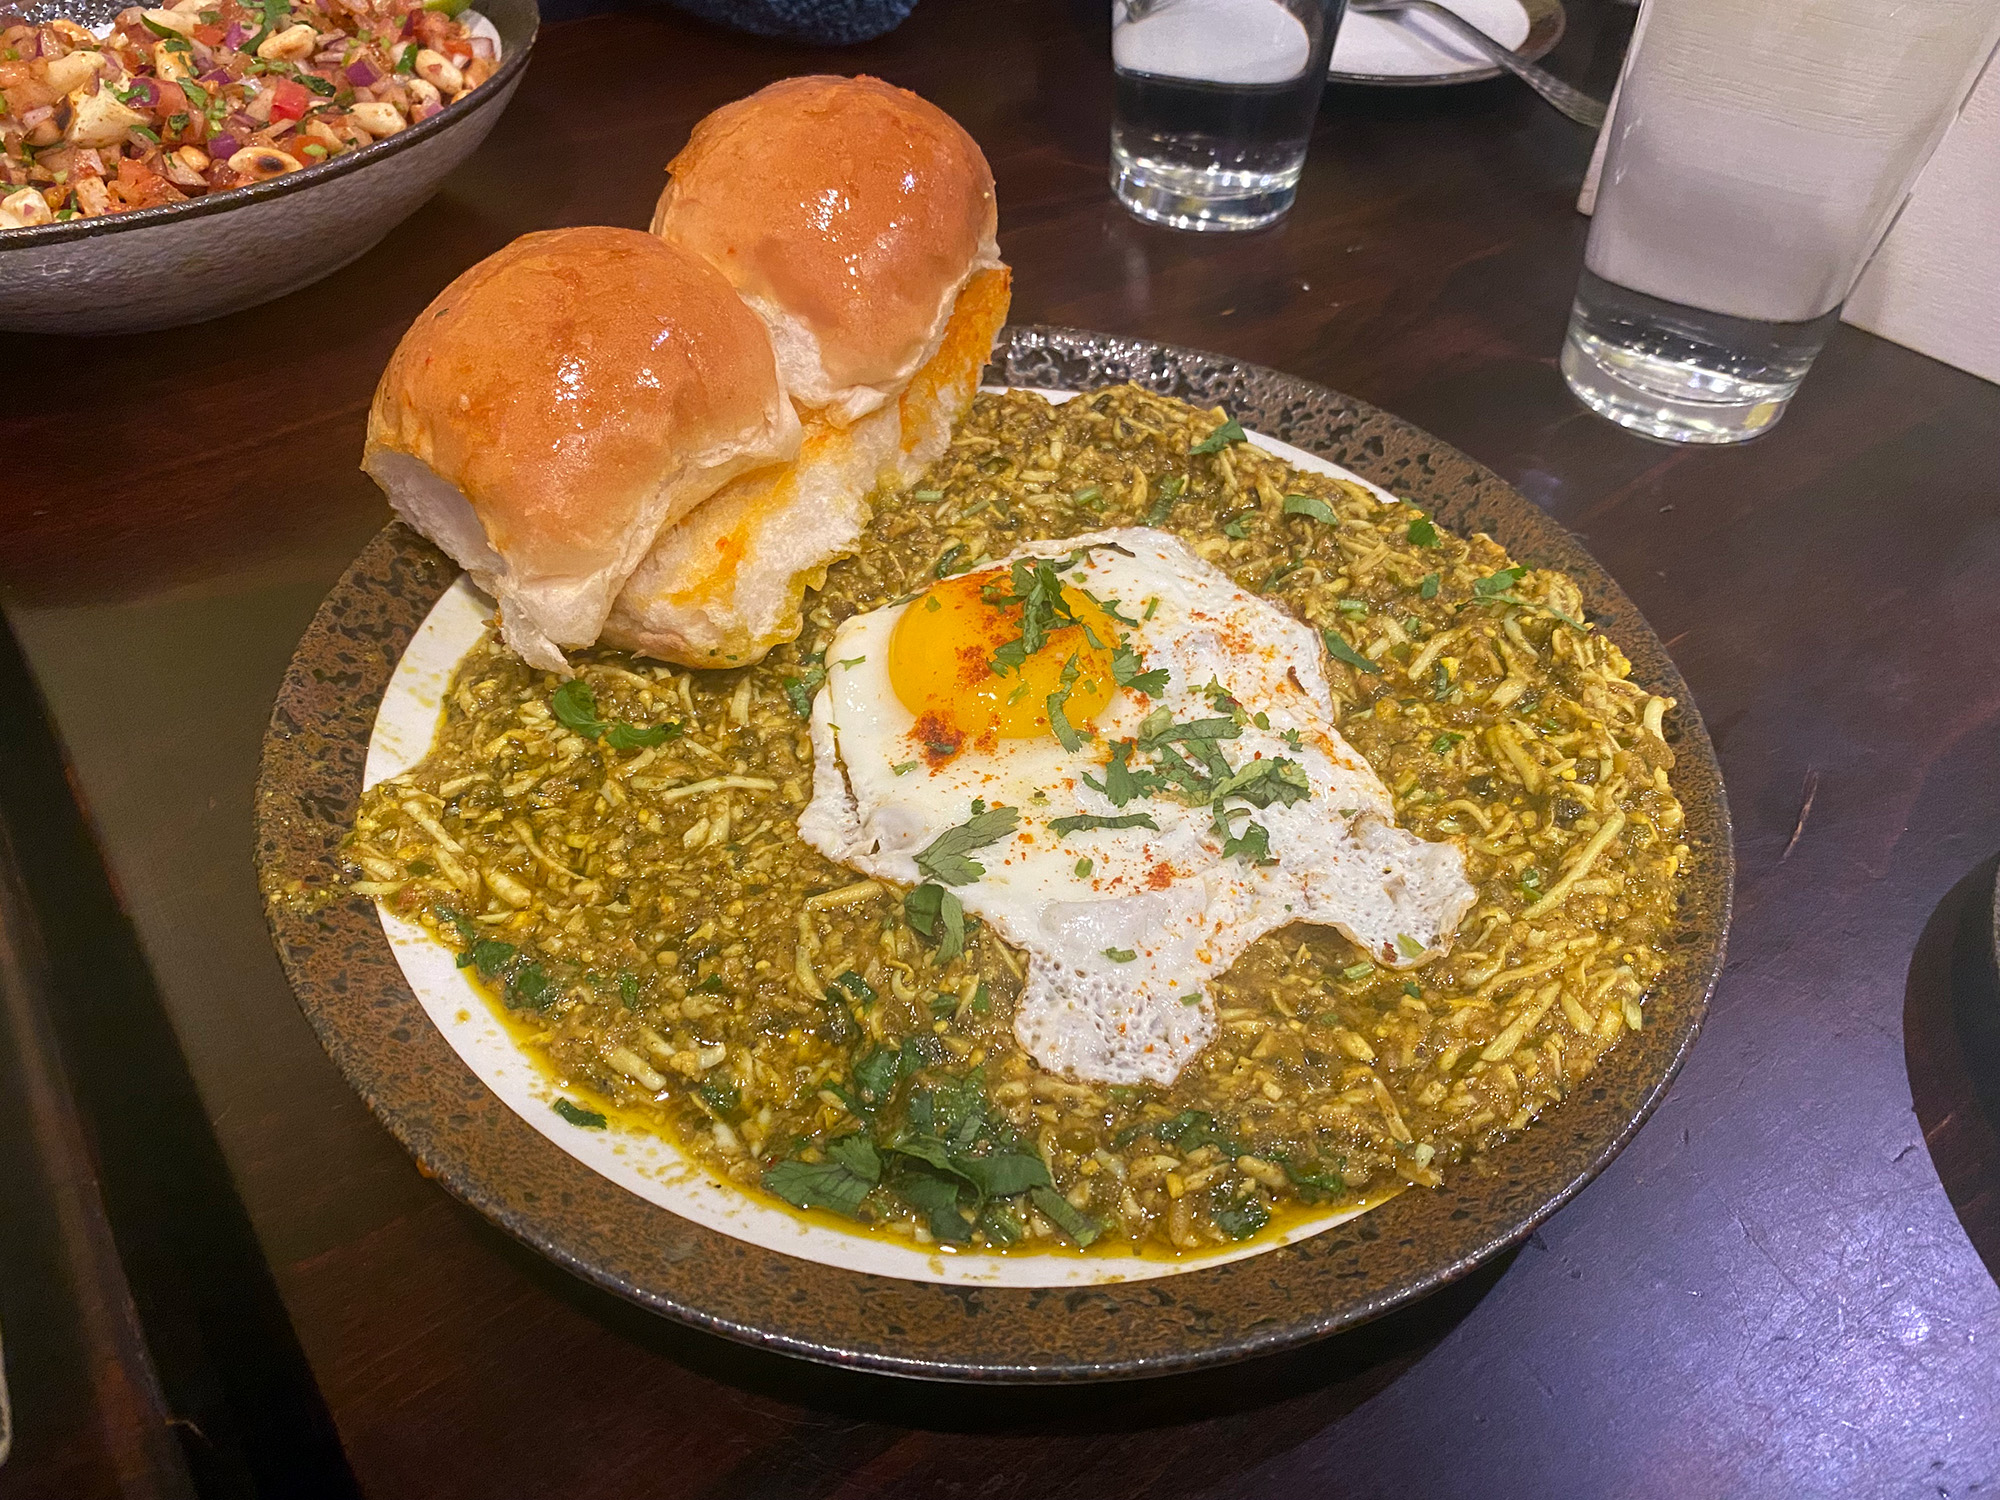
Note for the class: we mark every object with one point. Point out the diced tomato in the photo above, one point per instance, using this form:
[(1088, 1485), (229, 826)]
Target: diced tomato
[(289, 100)]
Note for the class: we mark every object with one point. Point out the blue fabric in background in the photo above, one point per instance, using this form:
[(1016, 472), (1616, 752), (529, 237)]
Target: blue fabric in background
[(825, 23)]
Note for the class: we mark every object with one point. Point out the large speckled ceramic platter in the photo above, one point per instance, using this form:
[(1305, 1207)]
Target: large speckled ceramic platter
[(623, 1209), (638, 1159)]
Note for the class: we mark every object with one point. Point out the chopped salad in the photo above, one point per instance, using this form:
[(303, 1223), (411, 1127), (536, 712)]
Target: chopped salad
[(209, 95)]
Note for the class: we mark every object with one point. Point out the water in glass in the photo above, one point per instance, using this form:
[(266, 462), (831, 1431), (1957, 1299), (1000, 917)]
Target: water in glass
[(1756, 158), (1215, 106)]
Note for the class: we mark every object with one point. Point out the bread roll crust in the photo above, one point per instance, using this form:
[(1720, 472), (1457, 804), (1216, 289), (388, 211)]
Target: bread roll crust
[(723, 586), (850, 214), (578, 390)]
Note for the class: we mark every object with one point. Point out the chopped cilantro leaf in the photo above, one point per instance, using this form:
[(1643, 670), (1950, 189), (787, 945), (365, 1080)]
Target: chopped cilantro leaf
[(1263, 782), (576, 1114), (1083, 868), (1444, 742), (1229, 432), (1339, 650), (856, 986), (576, 708), (1253, 843), (799, 690), (1498, 583), (821, 1184), (1170, 494), (1072, 1221), (945, 563), (1410, 988), (1240, 1220), (1428, 589), (723, 1095), (1278, 574), (1128, 670), (946, 859), (622, 736), (1059, 724), (1087, 822), (1311, 505), (1291, 737), (1422, 533), (937, 914)]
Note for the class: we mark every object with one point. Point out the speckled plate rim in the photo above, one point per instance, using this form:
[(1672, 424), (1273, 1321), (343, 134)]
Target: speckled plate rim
[(1546, 20), (348, 983)]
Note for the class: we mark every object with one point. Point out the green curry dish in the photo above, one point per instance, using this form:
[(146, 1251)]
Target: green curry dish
[(656, 932)]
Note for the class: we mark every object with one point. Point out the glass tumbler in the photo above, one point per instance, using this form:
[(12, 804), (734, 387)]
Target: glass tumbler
[(1215, 106), (1757, 156)]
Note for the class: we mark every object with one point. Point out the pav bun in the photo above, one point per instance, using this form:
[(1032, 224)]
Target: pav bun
[(850, 214), (726, 583), (562, 402)]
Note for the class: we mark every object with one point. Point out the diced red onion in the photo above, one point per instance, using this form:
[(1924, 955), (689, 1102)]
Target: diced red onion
[(147, 90), (234, 36), (242, 124), (361, 72), (224, 146), (216, 76), (482, 46), (409, 24)]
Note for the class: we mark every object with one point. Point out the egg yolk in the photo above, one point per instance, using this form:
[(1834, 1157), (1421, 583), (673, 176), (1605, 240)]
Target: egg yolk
[(941, 665)]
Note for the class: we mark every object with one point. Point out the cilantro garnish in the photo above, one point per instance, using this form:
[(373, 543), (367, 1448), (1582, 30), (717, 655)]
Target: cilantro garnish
[(1278, 574), (1120, 955), (1422, 533), (823, 1184), (1072, 1221), (1089, 822), (1263, 782), (1128, 670), (951, 555), (1498, 583), (1083, 868), (936, 913), (1311, 505), (576, 1114), (1443, 743), (1239, 1220), (799, 690), (1253, 843), (1037, 588), (946, 857), (1059, 723), (856, 986), (1229, 432), (1339, 650), (1428, 589), (1170, 494)]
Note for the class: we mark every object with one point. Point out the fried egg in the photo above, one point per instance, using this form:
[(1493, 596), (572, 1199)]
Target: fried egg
[(1129, 767)]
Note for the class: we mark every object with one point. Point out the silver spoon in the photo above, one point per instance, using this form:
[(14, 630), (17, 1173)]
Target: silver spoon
[(1579, 106)]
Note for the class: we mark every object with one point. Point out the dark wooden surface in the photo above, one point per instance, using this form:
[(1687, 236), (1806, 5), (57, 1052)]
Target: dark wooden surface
[(1777, 1290)]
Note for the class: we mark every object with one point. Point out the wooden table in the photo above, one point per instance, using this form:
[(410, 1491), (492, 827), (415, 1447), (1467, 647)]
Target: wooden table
[(1770, 1293)]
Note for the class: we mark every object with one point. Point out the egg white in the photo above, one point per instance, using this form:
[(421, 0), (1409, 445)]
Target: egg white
[(1170, 898)]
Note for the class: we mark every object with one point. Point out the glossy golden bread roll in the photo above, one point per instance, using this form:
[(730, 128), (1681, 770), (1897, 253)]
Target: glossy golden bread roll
[(850, 214), (858, 221), (727, 583), (558, 405)]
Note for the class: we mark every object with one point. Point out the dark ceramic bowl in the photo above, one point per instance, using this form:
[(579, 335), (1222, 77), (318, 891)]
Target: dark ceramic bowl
[(187, 262), (351, 988)]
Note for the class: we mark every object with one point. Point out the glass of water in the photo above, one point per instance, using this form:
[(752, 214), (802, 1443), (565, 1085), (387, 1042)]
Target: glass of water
[(1756, 158), (1215, 106)]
